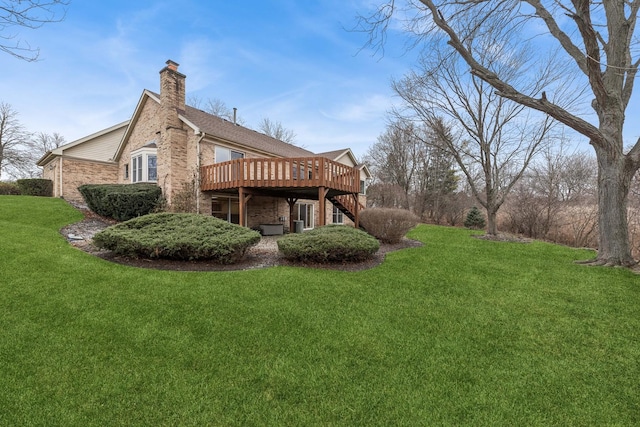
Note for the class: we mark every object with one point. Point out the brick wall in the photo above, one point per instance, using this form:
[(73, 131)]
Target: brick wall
[(145, 130), (266, 210), (78, 172)]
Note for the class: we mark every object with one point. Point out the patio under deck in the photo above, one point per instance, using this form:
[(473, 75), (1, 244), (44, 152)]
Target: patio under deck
[(313, 178)]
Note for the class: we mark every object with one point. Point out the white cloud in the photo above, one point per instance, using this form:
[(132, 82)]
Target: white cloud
[(371, 107)]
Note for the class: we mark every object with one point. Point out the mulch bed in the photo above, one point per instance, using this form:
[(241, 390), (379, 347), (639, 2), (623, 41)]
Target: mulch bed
[(79, 235)]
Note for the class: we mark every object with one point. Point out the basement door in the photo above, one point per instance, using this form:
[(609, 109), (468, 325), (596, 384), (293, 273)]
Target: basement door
[(226, 208)]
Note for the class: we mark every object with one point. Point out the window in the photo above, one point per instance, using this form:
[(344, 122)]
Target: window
[(136, 168), (338, 217), (224, 154), (144, 165), (126, 171), (152, 167), (226, 208), (305, 214), (362, 187)]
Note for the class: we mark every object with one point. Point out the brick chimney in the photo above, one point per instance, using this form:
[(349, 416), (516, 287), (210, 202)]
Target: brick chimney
[(172, 92), (172, 146)]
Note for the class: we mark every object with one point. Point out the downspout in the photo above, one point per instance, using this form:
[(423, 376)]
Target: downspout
[(198, 164), (61, 195)]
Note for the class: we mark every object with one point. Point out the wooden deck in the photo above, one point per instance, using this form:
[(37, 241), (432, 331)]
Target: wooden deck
[(286, 173), (315, 178)]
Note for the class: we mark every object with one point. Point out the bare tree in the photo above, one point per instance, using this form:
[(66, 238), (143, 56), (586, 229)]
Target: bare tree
[(30, 14), (395, 158), (14, 140), (492, 139), (276, 130), (418, 174), (33, 149), (383, 195), (42, 142), (217, 107), (597, 40), (555, 197), (435, 183)]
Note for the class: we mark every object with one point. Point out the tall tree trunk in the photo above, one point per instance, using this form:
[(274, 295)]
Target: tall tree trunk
[(492, 207), (614, 178), (492, 227)]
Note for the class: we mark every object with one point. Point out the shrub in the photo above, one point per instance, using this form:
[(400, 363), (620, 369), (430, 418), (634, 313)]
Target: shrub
[(121, 201), (9, 189), (330, 243), (185, 200), (386, 224), (180, 236), (36, 187), (474, 219)]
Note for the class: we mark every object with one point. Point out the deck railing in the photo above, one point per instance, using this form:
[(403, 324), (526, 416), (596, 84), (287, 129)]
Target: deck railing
[(284, 173)]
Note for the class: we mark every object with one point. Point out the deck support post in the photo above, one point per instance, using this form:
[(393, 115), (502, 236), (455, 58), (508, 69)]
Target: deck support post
[(356, 214), (322, 194), (292, 202), (243, 199)]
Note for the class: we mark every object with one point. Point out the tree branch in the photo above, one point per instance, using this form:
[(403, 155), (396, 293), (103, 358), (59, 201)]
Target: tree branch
[(506, 90), (30, 14), (561, 36)]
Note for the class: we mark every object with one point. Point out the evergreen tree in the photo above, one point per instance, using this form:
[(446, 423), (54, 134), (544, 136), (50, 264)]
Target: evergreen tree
[(474, 219)]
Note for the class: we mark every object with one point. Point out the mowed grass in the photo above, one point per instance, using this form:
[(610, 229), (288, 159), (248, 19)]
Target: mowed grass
[(458, 332)]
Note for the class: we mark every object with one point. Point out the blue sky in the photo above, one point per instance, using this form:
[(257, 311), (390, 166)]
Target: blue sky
[(295, 62), (291, 61)]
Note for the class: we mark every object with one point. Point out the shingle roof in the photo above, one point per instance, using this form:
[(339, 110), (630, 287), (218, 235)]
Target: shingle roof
[(333, 155), (224, 129)]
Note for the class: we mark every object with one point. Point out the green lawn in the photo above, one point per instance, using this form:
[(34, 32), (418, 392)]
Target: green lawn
[(460, 331)]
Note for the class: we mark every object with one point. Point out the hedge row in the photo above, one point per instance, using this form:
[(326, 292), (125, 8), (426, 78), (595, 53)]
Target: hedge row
[(121, 201), (9, 189), (28, 187)]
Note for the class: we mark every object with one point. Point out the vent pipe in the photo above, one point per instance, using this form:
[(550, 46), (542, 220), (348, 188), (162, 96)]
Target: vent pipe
[(235, 116)]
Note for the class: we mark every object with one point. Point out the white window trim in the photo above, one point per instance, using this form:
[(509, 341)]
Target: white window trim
[(229, 152), (313, 213), (337, 213), (143, 154)]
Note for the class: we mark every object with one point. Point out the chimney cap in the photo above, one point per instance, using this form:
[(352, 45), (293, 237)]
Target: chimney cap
[(172, 65)]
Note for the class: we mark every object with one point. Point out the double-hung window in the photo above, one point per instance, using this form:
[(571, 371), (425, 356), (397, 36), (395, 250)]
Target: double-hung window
[(338, 217)]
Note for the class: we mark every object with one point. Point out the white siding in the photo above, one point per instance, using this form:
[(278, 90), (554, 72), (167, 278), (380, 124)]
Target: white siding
[(345, 159), (101, 148)]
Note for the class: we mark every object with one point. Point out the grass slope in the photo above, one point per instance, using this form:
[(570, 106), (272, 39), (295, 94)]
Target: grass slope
[(459, 332)]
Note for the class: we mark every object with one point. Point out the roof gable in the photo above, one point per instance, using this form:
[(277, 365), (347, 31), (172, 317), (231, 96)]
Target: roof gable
[(339, 154), (344, 154), (84, 147), (146, 95)]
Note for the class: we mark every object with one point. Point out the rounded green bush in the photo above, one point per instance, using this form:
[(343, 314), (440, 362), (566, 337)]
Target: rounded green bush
[(386, 224), (331, 243), (180, 236)]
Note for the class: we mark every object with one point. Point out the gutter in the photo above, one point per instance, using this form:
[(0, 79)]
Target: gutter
[(198, 165)]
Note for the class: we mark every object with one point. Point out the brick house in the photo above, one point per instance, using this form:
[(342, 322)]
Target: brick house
[(229, 171)]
